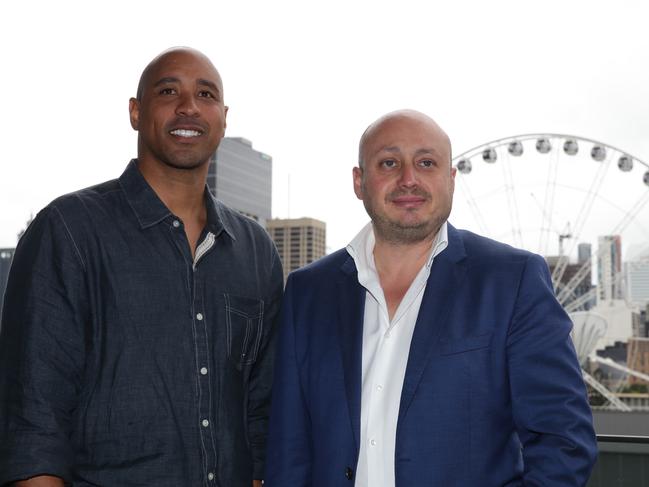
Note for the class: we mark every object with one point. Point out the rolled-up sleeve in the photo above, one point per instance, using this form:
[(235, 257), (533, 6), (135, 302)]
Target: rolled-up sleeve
[(41, 351)]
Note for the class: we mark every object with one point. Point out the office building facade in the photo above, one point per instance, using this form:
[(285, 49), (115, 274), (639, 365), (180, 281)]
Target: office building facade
[(609, 268), (299, 241), (583, 253), (241, 177), (637, 282)]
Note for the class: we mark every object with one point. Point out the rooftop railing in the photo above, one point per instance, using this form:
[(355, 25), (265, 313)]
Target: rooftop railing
[(623, 461)]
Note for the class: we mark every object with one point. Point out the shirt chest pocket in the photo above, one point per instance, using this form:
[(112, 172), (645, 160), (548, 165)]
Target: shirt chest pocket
[(244, 319)]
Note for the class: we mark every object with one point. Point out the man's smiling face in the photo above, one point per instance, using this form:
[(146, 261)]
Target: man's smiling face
[(406, 181), (179, 112)]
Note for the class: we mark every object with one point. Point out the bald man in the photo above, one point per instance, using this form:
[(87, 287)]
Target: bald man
[(422, 355), (138, 327)]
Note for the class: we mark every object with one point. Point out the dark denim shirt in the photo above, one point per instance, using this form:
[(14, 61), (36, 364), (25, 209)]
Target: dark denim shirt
[(123, 361)]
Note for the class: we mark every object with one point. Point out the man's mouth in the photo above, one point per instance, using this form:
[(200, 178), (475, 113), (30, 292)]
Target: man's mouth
[(409, 199), (187, 133)]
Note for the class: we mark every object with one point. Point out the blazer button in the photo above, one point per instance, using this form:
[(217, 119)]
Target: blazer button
[(349, 473)]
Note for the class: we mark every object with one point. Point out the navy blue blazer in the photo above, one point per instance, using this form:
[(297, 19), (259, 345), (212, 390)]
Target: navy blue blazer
[(492, 396)]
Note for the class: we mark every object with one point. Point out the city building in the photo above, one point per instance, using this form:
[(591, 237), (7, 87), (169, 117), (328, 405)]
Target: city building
[(241, 177), (641, 322), (583, 252), (5, 262), (637, 282), (609, 268), (299, 241)]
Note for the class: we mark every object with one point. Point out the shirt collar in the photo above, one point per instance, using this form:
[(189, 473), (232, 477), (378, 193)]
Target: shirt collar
[(361, 249), (150, 210)]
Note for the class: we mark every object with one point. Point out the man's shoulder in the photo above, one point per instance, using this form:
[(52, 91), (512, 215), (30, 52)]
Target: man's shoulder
[(80, 200), (480, 247), (326, 267)]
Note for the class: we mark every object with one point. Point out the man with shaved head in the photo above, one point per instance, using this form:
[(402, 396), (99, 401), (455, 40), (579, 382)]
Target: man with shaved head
[(139, 322), (422, 355)]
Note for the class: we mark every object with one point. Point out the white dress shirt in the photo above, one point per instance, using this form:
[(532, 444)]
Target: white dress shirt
[(386, 345)]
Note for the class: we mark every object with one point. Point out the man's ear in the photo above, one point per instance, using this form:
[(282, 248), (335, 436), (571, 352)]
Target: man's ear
[(358, 182), (134, 113)]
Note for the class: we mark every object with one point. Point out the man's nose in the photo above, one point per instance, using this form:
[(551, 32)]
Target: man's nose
[(187, 105), (408, 175)]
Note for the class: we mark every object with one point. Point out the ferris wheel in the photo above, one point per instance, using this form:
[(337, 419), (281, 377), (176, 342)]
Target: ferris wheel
[(548, 193), (564, 197)]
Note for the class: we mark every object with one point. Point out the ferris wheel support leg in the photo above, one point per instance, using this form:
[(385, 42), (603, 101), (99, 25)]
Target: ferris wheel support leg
[(610, 397)]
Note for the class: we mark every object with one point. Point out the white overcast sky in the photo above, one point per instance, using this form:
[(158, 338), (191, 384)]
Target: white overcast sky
[(303, 79)]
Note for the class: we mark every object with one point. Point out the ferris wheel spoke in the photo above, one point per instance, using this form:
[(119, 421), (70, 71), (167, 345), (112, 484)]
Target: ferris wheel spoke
[(548, 204), (510, 193), (631, 214), (474, 207)]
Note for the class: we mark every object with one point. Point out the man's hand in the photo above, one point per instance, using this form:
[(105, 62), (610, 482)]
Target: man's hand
[(256, 483), (41, 481)]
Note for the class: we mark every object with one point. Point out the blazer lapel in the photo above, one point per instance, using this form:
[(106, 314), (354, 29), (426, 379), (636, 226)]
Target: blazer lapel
[(446, 276), (351, 305)]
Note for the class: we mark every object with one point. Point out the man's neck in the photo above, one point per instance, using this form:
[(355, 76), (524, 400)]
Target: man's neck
[(183, 192), (397, 265), (394, 258)]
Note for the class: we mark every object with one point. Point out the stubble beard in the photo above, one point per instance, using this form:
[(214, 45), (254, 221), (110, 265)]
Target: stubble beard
[(185, 164), (183, 160), (396, 232)]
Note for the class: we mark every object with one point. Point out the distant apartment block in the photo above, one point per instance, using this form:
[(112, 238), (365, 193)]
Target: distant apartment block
[(241, 177), (299, 241), (609, 268), (6, 255)]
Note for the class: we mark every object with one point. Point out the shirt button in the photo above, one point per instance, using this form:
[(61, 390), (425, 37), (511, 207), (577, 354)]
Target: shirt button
[(205, 423), (373, 442), (210, 476), (203, 370), (199, 316), (175, 223), (379, 387)]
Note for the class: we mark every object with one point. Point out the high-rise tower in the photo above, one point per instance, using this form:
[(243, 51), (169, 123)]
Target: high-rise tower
[(241, 177)]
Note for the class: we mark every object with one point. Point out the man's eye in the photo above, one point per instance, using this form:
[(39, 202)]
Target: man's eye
[(167, 91), (205, 94), (427, 163), (389, 163)]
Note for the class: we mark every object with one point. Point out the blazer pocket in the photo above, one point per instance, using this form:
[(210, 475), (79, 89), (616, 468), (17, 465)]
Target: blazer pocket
[(465, 344), (244, 319)]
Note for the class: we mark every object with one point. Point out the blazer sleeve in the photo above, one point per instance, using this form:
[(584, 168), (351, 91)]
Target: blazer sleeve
[(289, 453), (549, 399)]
